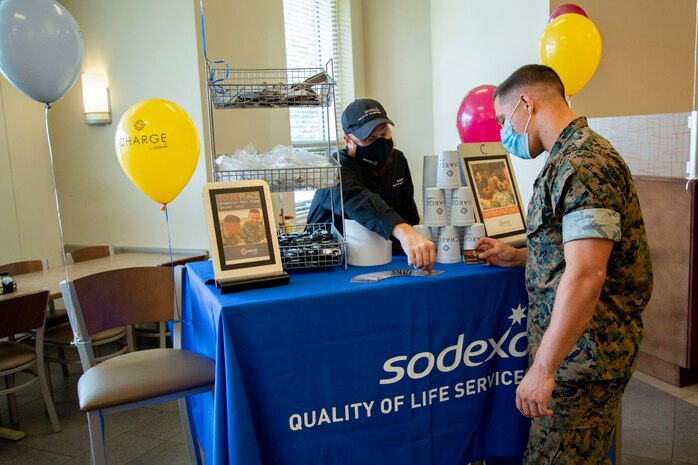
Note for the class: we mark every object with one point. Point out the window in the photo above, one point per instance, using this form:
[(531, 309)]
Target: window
[(313, 30), (318, 31)]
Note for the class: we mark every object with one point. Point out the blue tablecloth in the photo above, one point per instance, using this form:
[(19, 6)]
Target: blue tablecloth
[(409, 370)]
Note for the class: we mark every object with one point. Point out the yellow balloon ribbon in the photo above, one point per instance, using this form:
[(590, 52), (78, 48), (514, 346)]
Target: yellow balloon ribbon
[(158, 148), (571, 45)]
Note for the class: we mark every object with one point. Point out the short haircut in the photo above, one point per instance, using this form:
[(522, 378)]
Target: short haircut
[(527, 76), (231, 219), (254, 210)]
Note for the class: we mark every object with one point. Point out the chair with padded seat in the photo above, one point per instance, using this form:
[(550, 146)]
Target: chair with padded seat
[(24, 313), (89, 253), (54, 316), (136, 379)]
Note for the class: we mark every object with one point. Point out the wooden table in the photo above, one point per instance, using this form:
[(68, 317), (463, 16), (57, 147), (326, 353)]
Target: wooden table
[(20, 292), (49, 279)]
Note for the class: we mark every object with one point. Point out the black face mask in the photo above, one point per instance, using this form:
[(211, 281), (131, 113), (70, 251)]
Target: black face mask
[(375, 155)]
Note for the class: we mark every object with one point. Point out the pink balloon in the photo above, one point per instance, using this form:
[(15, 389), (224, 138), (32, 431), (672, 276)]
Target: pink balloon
[(477, 121), (567, 8)]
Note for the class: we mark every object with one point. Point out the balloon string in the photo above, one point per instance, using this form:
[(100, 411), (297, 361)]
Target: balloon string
[(12, 180), (172, 265), (55, 193)]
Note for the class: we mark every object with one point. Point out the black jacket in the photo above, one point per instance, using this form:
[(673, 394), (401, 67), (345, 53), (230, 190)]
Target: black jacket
[(377, 203)]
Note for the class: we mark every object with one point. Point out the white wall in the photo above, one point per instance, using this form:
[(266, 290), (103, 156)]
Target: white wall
[(28, 222), (474, 43), (148, 50)]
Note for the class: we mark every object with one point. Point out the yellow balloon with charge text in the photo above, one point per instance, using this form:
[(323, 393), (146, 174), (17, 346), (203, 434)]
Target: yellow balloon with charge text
[(571, 45), (158, 148)]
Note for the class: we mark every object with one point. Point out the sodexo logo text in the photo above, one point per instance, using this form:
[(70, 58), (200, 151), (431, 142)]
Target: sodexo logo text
[(477, 352)]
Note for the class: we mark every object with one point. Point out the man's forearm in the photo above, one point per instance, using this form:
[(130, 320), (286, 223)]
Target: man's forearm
[(575, 302)]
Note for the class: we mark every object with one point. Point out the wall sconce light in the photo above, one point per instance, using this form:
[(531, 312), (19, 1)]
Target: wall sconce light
[(95, 97)]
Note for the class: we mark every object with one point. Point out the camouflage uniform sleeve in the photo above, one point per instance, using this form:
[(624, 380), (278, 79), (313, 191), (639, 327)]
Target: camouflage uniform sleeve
[(588, 198), (591, 223)]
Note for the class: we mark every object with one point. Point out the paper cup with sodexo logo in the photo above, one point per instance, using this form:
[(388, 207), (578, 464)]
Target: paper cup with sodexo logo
[(435, 208), (448, 170), (448, 246), (462, 213)]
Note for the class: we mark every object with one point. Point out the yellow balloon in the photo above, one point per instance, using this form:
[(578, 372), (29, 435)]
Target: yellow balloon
[(571, 45), (158, 148)]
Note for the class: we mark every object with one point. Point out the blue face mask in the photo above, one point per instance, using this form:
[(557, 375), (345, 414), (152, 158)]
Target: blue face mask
[(515, 144)]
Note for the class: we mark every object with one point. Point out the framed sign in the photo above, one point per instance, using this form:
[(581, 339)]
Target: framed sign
[(242, 231), (497, 200)]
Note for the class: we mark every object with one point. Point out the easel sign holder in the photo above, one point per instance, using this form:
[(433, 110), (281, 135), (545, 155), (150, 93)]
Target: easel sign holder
[(490, 175), (242, 235)]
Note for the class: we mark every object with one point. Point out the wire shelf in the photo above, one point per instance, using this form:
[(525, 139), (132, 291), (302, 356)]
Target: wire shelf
[(288, 179), (270, 88), (313, 245)]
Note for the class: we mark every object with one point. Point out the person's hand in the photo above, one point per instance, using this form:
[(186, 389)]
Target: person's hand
[(533, 393), (420, 251), (497, 253)]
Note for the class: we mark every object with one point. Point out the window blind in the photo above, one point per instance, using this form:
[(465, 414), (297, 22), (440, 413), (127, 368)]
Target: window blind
[(312, 32)]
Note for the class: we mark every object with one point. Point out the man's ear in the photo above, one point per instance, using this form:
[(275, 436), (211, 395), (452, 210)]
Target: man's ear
[(527, 103)]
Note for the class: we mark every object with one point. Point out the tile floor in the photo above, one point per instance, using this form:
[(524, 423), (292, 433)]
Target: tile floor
[(660, 427), (660, 423)]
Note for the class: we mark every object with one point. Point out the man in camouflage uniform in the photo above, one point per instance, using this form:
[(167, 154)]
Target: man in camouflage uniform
[(252, 230), (588, 272)]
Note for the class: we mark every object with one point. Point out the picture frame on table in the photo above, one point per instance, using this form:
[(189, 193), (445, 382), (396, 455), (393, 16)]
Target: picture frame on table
[(490, 175), (242, 235)]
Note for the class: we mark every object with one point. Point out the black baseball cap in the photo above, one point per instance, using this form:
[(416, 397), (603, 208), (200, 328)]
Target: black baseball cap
[(362, 116)]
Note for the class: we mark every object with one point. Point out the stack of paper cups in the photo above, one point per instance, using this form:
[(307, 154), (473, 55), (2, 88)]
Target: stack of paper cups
[(448, 247), (435, 209), (448, 170), (473, 233), (462, 213)]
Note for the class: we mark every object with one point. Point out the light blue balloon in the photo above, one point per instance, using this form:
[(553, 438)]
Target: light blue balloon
[(41, 48)]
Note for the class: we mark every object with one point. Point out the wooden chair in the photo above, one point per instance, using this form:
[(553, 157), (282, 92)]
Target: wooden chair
[(150, 331), (159, 331), (20, 314), (89, 253), (136, 379), (27, 266), (54, 316)]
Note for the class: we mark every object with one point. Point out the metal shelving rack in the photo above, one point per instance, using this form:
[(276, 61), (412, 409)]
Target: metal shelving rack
[(230, 89)]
